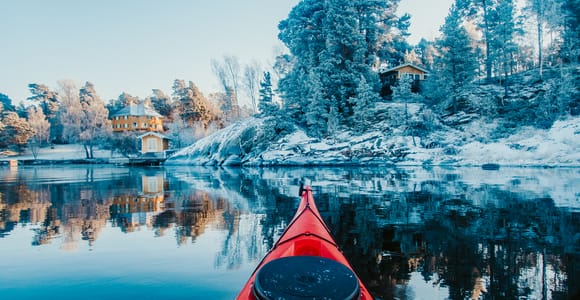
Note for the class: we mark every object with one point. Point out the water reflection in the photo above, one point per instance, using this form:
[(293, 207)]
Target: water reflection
[(410, 233)]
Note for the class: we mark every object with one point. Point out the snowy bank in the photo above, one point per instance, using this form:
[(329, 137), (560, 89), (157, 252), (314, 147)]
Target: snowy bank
[(65, 153), (246, 143)]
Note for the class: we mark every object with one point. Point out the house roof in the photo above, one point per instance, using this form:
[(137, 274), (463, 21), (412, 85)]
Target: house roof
[(137, 110), (157, 134), (406, 65)]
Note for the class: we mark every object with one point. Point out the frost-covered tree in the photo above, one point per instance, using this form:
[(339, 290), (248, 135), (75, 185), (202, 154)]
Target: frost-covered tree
[(161, 103), (551, 19), (228, 74), (95, 127), (481, 12), (283, 64), (69, 113), (503, 44), (571, 36), (457, 64), (180, 131), (251, 83), (6, 103), (539, 7), (47, 99), (363, 103), (318, 106), (50, 104), (40, 127), (191, 105), (428, 52), (124, 100), (15, 132), (412, 57), (333, 122), (333, 43), (266, 102), (402, 93)]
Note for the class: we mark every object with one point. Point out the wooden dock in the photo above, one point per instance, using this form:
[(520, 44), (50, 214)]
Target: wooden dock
[(148, 159)]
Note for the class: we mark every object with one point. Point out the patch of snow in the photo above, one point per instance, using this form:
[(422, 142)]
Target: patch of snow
[(557, 146)]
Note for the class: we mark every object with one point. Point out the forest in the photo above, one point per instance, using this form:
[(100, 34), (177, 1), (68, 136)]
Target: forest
[(487, 55)]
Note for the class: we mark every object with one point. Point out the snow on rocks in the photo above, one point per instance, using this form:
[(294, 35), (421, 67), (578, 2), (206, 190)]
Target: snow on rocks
[(557, 146), (225, 147), (245, 143)]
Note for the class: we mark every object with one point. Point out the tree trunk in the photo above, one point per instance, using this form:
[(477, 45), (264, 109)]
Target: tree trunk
[(87, 151), (540, 33), (505, 75), (488, 59)]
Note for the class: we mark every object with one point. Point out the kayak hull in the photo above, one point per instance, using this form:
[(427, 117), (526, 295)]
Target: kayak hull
[(306, 235)]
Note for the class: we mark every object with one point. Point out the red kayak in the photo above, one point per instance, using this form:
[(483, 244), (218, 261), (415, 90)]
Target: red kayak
[(305, 263)]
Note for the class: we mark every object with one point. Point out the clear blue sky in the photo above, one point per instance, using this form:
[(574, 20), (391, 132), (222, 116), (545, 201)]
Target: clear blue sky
[(134, 46)]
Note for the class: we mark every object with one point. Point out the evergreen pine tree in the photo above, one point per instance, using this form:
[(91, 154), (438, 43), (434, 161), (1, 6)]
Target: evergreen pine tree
[(363, 103), (50, 104), (402, 93), (457, 64), (161, 103), (317, 108), (6, 103), (482, 12), (266, 104), (503, 45), (333, 43)]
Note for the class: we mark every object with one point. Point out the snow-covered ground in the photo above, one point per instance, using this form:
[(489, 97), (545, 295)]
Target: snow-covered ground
[(557, 146), (63, 152)]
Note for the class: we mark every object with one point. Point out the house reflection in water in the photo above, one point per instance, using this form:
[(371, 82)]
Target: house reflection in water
[(131, 211)]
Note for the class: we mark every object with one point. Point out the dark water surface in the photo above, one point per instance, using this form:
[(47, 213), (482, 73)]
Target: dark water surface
[(79, 232)]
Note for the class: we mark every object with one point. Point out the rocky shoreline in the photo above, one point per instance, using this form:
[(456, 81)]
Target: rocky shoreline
[(234, 146)]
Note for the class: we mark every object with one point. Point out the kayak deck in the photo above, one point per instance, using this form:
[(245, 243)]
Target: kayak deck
[(306, 236)]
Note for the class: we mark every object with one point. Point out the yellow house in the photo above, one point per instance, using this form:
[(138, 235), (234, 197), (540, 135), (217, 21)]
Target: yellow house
[(153, 143), (137, 117), (406, 70), (390, 76)]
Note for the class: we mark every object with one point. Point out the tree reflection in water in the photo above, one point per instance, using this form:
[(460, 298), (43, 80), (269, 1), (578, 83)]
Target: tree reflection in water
[(409, 233), (515, 246)]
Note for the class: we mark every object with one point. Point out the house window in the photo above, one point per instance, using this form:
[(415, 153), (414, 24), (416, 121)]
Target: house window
[(126, 125), (144, 125), (125, 117), (417, 77), (424, 76), (134, 124)]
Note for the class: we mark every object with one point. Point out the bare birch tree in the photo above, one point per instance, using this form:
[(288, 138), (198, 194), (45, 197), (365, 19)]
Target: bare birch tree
[(251, 82), (40, 128)]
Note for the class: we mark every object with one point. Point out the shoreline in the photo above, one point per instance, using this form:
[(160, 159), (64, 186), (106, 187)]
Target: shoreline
[(7, 161)]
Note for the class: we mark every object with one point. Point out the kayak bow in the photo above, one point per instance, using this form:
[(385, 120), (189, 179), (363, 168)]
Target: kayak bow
[(305, 263)]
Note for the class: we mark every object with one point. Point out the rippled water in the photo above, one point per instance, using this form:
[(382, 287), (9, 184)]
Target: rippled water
[(196, 233)]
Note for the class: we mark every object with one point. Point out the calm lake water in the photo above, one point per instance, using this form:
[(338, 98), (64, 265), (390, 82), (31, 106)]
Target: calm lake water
[(101, 232)]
